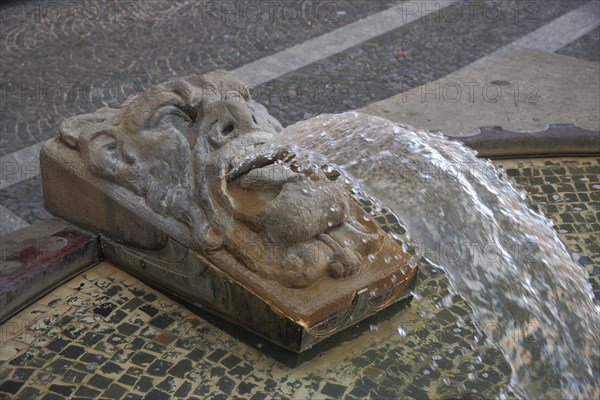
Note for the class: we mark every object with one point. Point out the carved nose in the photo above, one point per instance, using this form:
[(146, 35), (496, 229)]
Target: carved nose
[(233, 119)]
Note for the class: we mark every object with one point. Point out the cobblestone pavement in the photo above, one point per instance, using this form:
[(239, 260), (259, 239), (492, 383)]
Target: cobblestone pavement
[(25, 200), (65, 58), (105, 334)]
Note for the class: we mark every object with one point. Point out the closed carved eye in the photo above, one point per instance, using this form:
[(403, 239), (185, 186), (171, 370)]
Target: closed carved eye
[(175, 115)]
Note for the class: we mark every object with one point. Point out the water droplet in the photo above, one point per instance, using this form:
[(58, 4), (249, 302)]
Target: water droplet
[(259, 345), (412, 263), (416, 296), (387, 259), (447, 300), (374, 327), (401, 332), (523, 195), (372, 257), (446, 381), (472, 377), (366, 218), (91, 366)]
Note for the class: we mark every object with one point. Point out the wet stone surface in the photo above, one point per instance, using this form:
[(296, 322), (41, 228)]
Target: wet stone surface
[(105, 334)]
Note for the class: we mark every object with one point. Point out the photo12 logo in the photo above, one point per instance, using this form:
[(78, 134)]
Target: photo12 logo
[(474, 92), (235, 11), (54, 11), (111, 93), (455, 12)]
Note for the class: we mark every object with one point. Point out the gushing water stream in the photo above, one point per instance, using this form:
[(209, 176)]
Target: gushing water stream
[(466, 217)]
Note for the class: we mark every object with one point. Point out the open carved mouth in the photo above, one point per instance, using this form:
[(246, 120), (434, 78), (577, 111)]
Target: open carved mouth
[(260, 161), (254, 163)]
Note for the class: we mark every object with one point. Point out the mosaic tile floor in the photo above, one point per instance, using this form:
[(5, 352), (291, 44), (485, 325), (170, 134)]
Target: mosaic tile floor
[(568, 191), (106, 335)]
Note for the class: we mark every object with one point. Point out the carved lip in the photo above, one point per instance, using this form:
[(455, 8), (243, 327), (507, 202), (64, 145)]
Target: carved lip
[(255, 162)]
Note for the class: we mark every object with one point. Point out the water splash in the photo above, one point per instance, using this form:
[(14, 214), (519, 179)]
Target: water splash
[(465, 216)]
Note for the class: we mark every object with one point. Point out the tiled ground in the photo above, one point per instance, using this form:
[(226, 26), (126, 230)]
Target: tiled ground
[(107, 335), (568, 191)]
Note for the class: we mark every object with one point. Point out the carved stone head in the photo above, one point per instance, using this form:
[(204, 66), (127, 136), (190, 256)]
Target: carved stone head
[(185, 161)]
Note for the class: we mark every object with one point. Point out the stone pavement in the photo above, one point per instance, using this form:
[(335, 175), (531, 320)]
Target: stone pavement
[(60, 60), (522, 92)]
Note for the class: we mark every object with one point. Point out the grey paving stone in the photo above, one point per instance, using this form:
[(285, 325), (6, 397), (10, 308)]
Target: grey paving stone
[(410, 56), (24, 199), (522, 92), (586, 47)]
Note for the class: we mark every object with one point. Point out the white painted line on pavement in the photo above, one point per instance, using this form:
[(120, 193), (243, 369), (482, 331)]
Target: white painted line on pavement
[(23, 164), (555, 34), (321, 47), (9, 221)]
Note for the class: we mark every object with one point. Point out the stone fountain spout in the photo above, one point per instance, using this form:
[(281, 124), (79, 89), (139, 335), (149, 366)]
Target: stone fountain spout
[(179, 181)]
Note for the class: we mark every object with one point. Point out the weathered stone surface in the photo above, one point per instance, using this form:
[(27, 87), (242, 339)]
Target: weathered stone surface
[(181, 182)]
